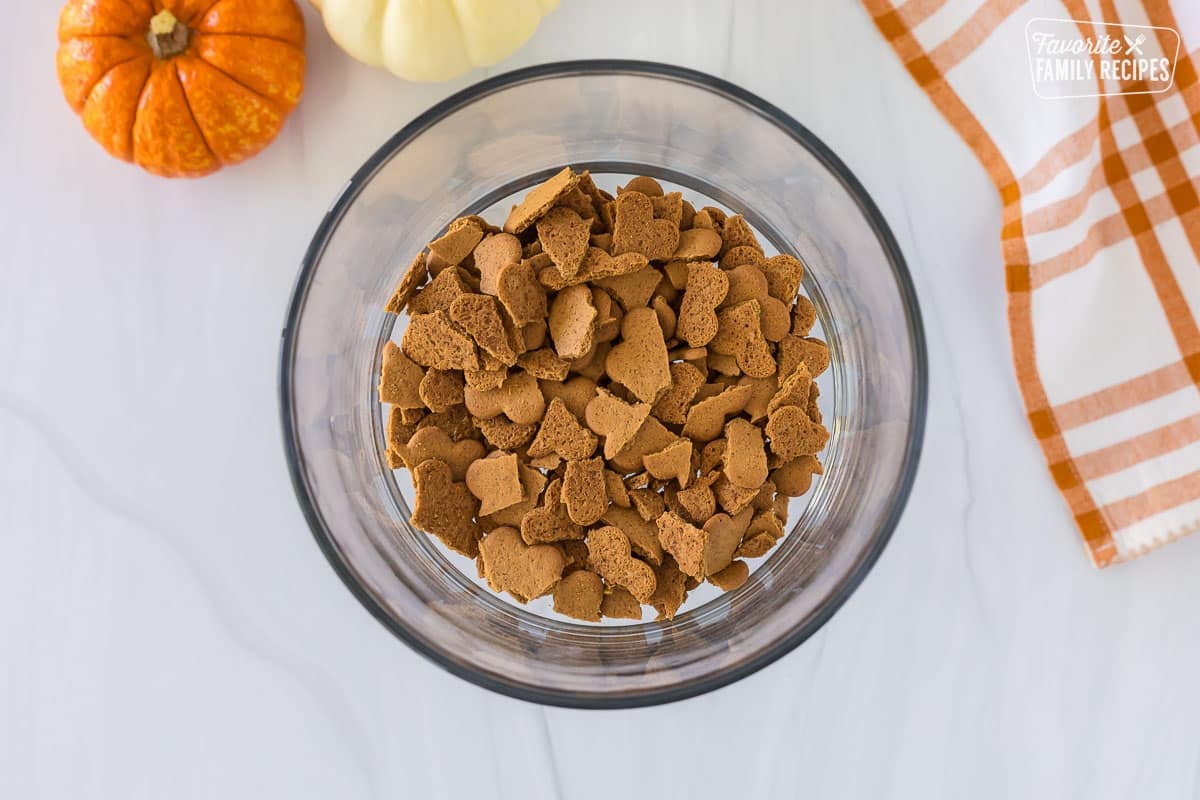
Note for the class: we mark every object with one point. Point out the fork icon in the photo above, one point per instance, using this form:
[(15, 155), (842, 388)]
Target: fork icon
[(1135, 45)]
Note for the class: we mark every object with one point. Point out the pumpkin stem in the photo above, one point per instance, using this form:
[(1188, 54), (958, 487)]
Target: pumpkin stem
[(167, 36)]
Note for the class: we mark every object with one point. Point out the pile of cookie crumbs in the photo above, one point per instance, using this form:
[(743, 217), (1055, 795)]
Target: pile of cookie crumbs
[(609, 399)]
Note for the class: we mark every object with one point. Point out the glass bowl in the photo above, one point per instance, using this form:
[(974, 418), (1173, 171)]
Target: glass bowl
[(474, 152)]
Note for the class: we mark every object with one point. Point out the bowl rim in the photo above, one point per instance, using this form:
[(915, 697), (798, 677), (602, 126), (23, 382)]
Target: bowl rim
[(799, 133)]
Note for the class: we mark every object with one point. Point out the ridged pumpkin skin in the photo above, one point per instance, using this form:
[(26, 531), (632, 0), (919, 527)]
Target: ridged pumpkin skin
[(216, 94)]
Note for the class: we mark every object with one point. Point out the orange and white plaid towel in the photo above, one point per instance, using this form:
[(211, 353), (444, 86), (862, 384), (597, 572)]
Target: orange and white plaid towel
[(1098, 168)]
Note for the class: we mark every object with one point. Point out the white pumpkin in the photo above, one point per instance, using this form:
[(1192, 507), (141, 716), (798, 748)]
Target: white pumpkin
[(432, 40)]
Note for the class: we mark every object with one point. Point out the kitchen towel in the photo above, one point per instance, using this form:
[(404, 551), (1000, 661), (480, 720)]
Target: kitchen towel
[(1086, 116)]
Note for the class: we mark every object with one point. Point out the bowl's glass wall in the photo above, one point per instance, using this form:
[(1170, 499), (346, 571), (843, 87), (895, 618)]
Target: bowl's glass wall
[(621, 122)]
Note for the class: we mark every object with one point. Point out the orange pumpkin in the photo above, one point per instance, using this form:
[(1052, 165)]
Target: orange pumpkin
[(182, 87)]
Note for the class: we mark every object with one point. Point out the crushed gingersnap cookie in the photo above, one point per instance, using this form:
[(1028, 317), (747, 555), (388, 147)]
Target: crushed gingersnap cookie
[(504, 434), (731, 577), (524, 571), (439, 294), (669, 207), (697, 502), (675, 272), (740, 256), (813, 409), (414, 276), (672, 405), (576, 552), (458, 241), (736, 232), (793, 391), (532, 483), (644, 184), (575, 393), (746, 282), (399, 431), (618, 603), (550, 522), (564, 236), (648, 503), (495, 482), (804, 316), (432, 340), (699, 551), (584, 491), (761, 392), (731, 497), (740, 334), (724, 535), (636, 230), (456, 423), (793, 434), (562, 434), (641, 532), (633, 290), (796, 350), (580, 595), (539, 200), (666, 316), (774, 319), (673, 462), (639, 362), (544, 364), (441, 390), (494, 254), (479, 316), (706, 419), (684, 541), (784, 274), (745, 456), (724, 365), (445, 507), (632, 320), (614, 419), (597, 266), (755, 546), (618, 493), (400, 379), (711, 456), (485, 379), (610, 553), (523, 297), (651, 437), (670, 589), (519, 398), (705, 290), (572, 322), (697, 244), (765, 522), (433, 443), (793, 478)]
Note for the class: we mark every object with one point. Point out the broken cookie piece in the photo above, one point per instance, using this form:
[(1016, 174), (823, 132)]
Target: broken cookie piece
[(495, 481), (445, 508), (580, 595), (524, 571), (609, 551)]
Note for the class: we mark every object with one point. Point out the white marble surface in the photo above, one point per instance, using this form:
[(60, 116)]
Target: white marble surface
[(170, 630)]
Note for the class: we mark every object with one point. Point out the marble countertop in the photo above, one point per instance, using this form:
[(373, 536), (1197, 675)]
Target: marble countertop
[(170, 629)]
